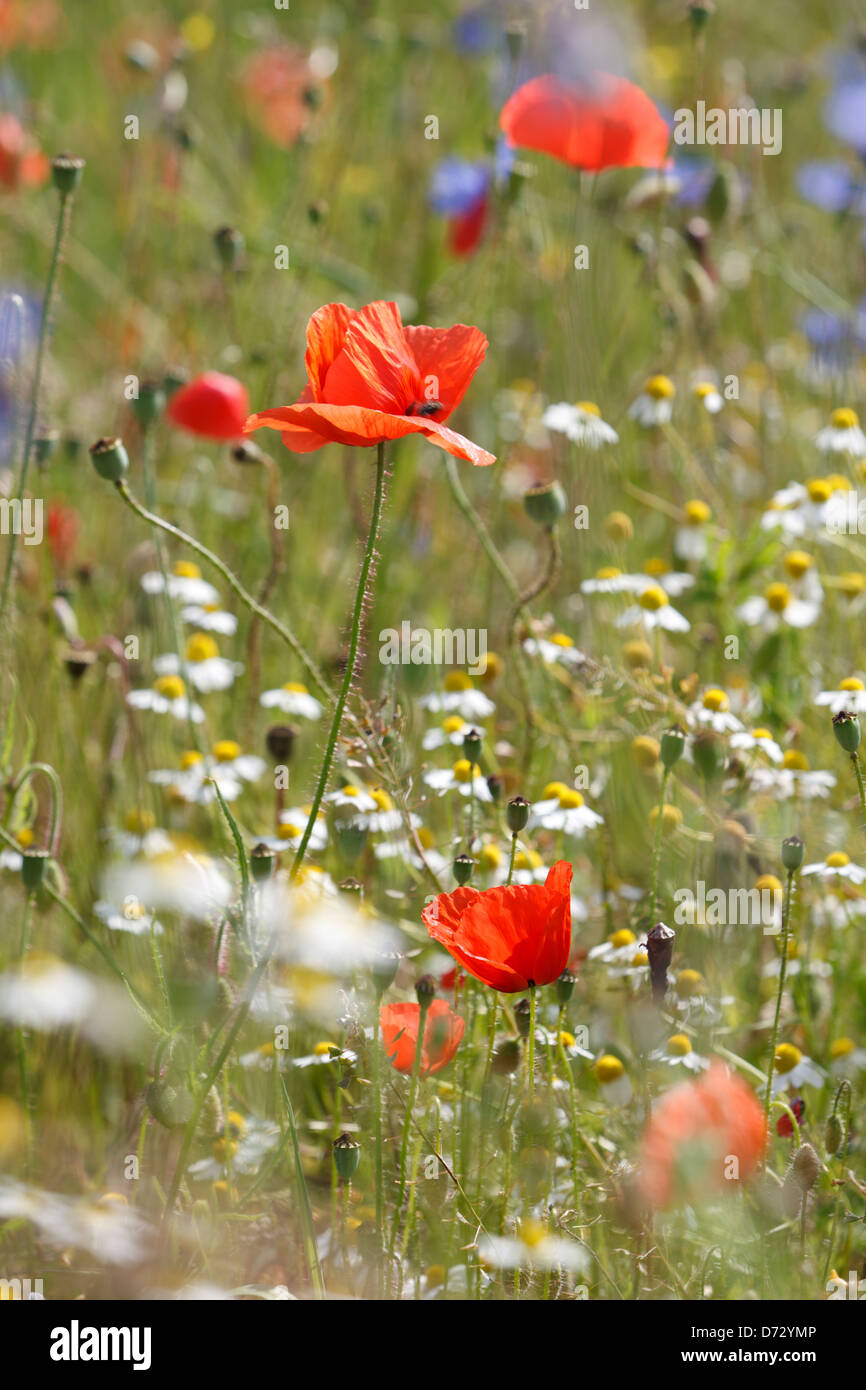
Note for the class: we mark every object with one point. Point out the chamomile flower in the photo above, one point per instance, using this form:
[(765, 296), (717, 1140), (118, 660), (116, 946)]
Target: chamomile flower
[(556, 650), (133, 917), (459, 696), (452, 730), (562, 808), (708, 396), (610, 580), (690, 538), (11, 858), (655, 404), (810, 509), (191, 884), (534, 1247), (292, 698), (653, 610), (612, 1078), (713, 710), (458, 778), (140, 835), (618, 949), (842, 435), (757, 741), (47, 995), (582, 423), (291, 828), (777, 608), (184, 584), (208, 671), (793, 1071), (106, 1227), (846, 1059), (529, 867), (850, 694), (167, 695), (240, 1148), (372, 809), (325, 1054), (836, 865), (794, 779), (678, 1052), (210, 618), (795, 964), (225, 765)]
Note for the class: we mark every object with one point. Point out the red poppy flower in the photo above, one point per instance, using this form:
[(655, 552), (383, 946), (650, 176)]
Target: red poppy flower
[(442, 1033), (694, 1133), (783, 1124), (62, 532), (282, 92), (22, 163), (508, 938), (465, 232), (371, 379), (602, 123), (212, 405)]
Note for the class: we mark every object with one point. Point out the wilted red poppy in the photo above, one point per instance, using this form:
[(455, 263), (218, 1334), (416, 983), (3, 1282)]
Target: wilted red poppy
[(508, 938), (22, 163), (212, 405), (604, 122), (701, 1137), (371, 379), (442, 1033)]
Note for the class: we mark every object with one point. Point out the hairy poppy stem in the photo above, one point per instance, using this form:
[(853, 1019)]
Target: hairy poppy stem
[(407, 1120), (361, 598), (657, 847), (530, 1063), (783, 967)]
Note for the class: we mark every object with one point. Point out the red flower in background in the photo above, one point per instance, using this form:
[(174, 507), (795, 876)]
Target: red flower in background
[(508, 938), (603, 124), (442, 1033), (693, 1133), (212, 405), (465, 231), (62, 532), (371, 379), (22, 163), (28, 23), (282, 92)]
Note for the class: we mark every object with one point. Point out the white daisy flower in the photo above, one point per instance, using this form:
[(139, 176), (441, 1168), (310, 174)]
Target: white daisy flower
[(817, 508), (777, 607), (184, 584), (46, 994), (562, 808), (612, 1078), (610, 580), (713, 710), (793, 1070), (850, 695), (210, 619), (836, 865), (133, 917), (791, 782), (558, 649), (293, 824), (653, 610), (140, 835), (207, 670), (843, 435), (292, 698), (690, 539), (655, 404), (581, 422), (192, 885), (846, 1059), (533, 1248), (459, 696), (240, 1149), (757, 741), (678, 1052), (708, 396), (458, 778), (618, 949), (225, 765), (334, 935), (105, 1226), (453, 730), (167, 695)]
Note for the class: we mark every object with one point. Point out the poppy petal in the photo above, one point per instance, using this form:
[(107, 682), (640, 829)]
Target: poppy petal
[(447, 359), (375, 367), (599, 125), (326, 333), (357, 425)]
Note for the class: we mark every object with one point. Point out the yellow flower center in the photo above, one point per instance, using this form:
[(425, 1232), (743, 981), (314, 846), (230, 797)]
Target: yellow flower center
[(838, 483), (653, 598), (841, 1047), (844, 418), (554, 789), (697, 512), (641, 958), (226, 750), (527, 859), (787, 1057), (462, 770), (715, 699), (172, 687), (623, 937), (852, 583), (322, 1049), (589, 408), (689, 983), (189, 759), (532, 1233), (453, 724), (136, 822), (350, 790), (491, 856), (679, 1045), (457, 680), (661, 388), (287, 831), (569, 799), (778, 597), (797, 562), (567, 1039), (645, 751), (608, 572), (560, 639), (656, 566), (296, 688), (768, 883), (838, 859), (382, 799), (672, 817), (851, 683), (185, 569), (704, 389), (795, 761), (201, 647), (819, 489), (608, 1068), (425, 835)]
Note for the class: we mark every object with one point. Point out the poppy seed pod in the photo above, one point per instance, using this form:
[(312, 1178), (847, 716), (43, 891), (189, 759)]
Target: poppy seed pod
[(522, 1014), (660, 949), (463, 866), (110, 459), (672, 743), (384, 970), (171, 1105), (565, 986), (149, 404), (472, 741), (846, 727), (793, 850), (425, 989), (280, 740), (351, 887), (517, 814), (347, 1156), (705, 751), (67, 171), (494, 786), (261, 862), (546, 503)]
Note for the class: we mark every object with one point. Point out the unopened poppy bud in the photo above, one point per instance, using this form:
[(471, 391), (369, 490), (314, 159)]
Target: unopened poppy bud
[(846, 727), (149, 404), (522, 1014), (546, 503), (793, 850), (672, 742), (660, 949), (517, 814), (463, 867), (66, 171), (800, 1178), (507, 1057), (351, 887), (425, 989), (705, 751), (170, 1104), (230, 246), (261, 862), (834, 1134), (565, 986), (110, 459), (384, 970), (347, 1156), (280, 740), (472, 741), (33, 864)]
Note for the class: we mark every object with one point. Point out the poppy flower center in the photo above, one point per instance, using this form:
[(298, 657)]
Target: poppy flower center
[(424, 407)]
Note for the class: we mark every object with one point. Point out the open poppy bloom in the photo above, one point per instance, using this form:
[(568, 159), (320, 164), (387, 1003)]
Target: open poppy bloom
[(22, 163), (604, 123), (212, 405), (701, 1137), (508, 938), (442, 1033), (370, 379)]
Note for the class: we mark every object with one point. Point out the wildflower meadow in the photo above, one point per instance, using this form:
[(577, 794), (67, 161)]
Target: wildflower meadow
[(432, 595)]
